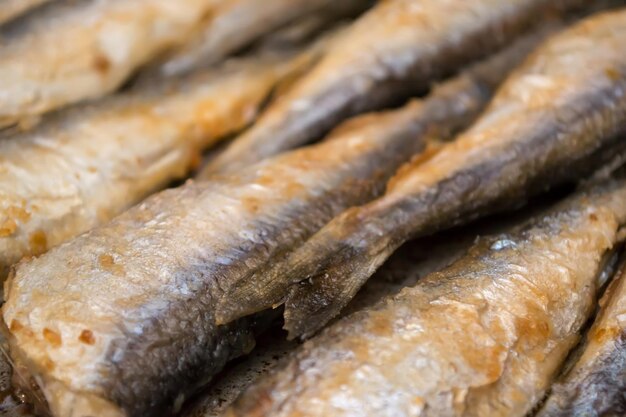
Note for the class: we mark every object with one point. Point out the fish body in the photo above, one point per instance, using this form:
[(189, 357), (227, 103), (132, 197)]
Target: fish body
[(72, 50), (84, 165), (395, 50), (595, 384), (235, 24), (451, 106), (96, 321), (552, 121), (483, 337), (10, 9)]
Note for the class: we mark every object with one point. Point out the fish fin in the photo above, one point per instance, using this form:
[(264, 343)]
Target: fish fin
[(342, 257)]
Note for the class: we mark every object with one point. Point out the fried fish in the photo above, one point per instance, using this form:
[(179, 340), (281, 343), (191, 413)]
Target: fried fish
[(552, 121), (72, 50), (393, 51), (596, 383), (96, 321), (236, 23), (87, 164), (483, 337)]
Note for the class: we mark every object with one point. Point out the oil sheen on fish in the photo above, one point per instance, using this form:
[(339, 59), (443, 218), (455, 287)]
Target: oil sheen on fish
[(71, 50), (450, 105), (10, 9), (483, 337), (83, 166), (596, 383), (393, 51), (236, 23), (550, 122), (96, 321)]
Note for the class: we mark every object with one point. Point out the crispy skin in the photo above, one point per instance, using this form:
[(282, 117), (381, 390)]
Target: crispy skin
[(551, 122), (236, 23), (144, 286), (451, 105), (393, 51), (85, 165), (10, 9), (71, 50), (483, 337), (596, 383)]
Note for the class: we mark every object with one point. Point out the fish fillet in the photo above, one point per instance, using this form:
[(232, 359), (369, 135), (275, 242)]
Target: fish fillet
[(393, 51), (483, 337), (83, 166), (551, 121), (96, 322), (595, 385), (73, 50), (236, 23), (10, 9)]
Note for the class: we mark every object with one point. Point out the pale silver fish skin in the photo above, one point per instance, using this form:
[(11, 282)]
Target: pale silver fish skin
[(10, 9), (551, 122), (483, 337), (235, 24), (393, 51), (83, 166), (168, 260), (118, 296), (449, 108), (72, 50), (594, 386)]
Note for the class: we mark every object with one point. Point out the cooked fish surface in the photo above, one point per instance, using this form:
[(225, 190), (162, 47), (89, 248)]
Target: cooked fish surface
[(450, 106), (120, 301), (73, 50), (393, 51), (550, 122), (483, 337), (10, 9), (595, 385), (85, 165), (236, 23)]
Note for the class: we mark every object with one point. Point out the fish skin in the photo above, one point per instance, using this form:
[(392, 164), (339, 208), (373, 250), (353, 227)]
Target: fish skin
[(483, 337), (84, 165), (449, 108), (132, 282), (551, 122), (10, 9), (72, 50), (596, 383), (398, 43), (236, 23)]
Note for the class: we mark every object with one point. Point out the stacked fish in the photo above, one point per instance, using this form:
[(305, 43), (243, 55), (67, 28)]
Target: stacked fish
[(322, 138)]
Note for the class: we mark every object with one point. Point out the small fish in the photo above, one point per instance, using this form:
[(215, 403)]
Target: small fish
[(236, 23), (596, 383), (449, 107), (483, 337), (10, 9), (96, 321), (392, 52), (84, 165), (72, 50), (553, 120)]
